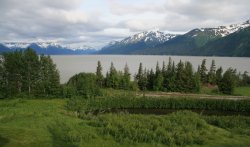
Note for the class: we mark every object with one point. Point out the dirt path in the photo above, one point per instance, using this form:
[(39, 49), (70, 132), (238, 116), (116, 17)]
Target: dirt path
[(202, 96)]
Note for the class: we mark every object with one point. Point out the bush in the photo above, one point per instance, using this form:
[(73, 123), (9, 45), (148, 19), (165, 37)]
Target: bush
[(85, 84), (227, 84)]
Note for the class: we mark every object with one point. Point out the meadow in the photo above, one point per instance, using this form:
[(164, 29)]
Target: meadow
[(48, 122)]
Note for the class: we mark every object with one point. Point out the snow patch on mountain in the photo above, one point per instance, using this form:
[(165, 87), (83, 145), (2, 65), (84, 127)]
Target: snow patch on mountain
[(154, 37), (226, 30)]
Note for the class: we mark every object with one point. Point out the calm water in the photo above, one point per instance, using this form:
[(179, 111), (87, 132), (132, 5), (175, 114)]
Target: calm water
[(73, 64)]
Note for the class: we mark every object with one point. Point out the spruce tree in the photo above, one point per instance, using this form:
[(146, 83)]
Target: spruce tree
[(112, 78), (158, 80), (99, 76), (180, 77), (203, 72), (212, 74), (219, 72), (189, 79), (126, 78), (150, 78), (141, 78)]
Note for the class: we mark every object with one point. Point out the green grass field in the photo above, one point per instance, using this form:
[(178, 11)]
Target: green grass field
[(40, 122), (243, 91)]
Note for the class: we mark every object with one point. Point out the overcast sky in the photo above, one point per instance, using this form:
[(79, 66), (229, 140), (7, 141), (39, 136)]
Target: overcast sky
[(97, 22)]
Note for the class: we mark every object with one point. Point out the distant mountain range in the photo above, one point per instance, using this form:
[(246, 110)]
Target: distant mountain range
[(48, 48), (232, 40)]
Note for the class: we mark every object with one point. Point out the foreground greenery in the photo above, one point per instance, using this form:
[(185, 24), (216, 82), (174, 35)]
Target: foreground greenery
[(39, 122)]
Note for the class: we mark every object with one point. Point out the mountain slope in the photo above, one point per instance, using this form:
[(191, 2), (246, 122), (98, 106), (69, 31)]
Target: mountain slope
[(136, 43), (183, 44), (236, 44)]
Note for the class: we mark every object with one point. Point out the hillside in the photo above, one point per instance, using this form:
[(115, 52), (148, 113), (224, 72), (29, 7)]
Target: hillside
[(236, 44)]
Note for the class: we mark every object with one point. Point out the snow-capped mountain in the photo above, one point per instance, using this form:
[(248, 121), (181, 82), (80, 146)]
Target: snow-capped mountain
[(47, 48), (195, 41), (148, 36), (145, 39), (156, 42), (223, 31)]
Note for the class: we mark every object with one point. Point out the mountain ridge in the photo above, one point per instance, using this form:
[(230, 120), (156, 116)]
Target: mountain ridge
[(185, 44)]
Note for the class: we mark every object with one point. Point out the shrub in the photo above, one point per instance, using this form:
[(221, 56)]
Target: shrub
[(85, 84)]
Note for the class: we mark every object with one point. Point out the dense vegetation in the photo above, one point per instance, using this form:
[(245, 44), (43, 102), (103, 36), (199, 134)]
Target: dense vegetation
[(26, 122)]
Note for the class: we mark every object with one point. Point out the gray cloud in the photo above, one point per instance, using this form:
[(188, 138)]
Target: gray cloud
[(67, 21)]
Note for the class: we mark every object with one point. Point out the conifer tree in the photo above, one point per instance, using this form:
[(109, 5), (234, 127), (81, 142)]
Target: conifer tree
[(112, 78), (99, 76), (180, 77), (189, 79), (126, 78), (219, 72), (203, 72), (158, 80), (212, 74), (141, 78), (150, 78)]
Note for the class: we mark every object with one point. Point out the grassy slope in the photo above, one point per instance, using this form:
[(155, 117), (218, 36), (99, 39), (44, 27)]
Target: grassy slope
[(47, 123)]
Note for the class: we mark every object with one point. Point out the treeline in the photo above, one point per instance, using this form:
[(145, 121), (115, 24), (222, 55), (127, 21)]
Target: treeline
[(172, 78), (24, 73)]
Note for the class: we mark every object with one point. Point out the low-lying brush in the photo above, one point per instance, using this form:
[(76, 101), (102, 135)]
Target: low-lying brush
[(181, 128), (235, 124), (159, 103)]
